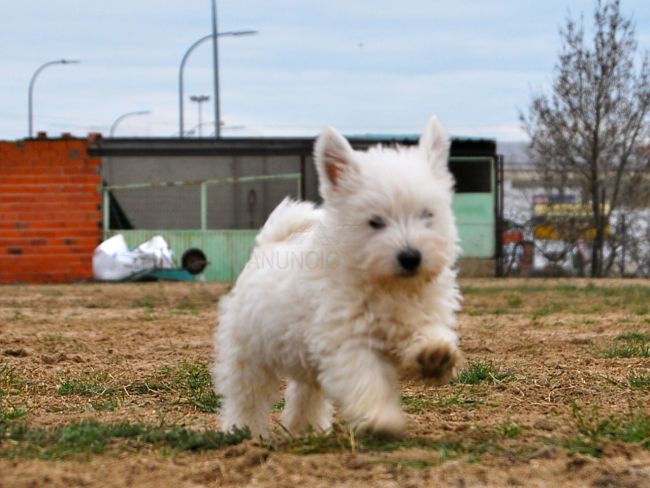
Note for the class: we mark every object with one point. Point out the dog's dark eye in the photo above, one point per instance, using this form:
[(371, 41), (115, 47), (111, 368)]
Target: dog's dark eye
[(376, 222), (427, 214)]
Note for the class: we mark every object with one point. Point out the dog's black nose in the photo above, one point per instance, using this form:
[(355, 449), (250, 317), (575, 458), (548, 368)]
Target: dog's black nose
[(410, 259)]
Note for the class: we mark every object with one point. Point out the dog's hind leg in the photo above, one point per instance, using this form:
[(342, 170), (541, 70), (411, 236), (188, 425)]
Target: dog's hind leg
[(306, 406), (248, 395)]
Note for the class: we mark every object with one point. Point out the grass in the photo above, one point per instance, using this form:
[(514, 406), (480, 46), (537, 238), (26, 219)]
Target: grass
[(633, 293), (418, 404), (340, 439), (101, 384), (195, 303), (96, 305), (642, 310), (629, 345), (561, 298), (192, 304), (186, 305), (408, 463), (190, 385), (640, 381), (17, 316), (89, 386), (193, 382), (11, 413), (594, 431), (473, 444), (10, 382), (511, 431), (105, 395), (82, 439), (149, 301), (52, 338), (482, 371), (634, 336), (515, 301)]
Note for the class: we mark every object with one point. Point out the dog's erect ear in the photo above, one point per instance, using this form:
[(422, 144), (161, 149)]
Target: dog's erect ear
[(334, 158), (435, 144)]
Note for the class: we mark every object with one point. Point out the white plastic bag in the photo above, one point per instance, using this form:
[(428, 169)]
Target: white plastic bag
[(113, 261)]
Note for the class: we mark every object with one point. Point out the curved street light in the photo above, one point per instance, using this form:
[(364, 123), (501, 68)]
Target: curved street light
[(30, 97), (124, 116), (182, 67)]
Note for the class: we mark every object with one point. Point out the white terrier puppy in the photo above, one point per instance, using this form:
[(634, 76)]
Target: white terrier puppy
[(344, 299)]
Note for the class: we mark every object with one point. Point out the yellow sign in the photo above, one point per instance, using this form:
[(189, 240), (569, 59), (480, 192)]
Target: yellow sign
[(552, 233), (564, 210)]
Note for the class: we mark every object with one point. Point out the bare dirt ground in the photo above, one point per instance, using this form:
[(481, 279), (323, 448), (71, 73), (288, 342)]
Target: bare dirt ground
[(556, 392)]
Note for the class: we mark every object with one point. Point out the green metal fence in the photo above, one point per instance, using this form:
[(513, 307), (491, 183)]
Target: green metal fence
[(227, 250)]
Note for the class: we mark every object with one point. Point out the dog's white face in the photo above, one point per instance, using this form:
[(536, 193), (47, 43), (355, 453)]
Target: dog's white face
[(388, 210)]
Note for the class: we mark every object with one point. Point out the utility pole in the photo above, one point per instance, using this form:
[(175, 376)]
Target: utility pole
[(215, 62)]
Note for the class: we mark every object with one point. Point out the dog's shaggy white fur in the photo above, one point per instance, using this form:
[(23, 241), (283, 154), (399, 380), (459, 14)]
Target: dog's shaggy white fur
[(346, 298)]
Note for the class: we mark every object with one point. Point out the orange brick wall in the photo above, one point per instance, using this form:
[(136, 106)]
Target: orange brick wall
[(50, 211)]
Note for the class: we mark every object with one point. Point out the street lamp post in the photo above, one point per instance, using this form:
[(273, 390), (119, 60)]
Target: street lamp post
[(181, 128), (124, 116), (215, 71), (30, 97), (199, 99)]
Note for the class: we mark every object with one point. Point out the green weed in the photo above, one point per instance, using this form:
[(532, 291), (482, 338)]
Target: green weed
[(634, 336), (640, 381), (511, 431), (482, 371), (340, 440), (193, 382), (88, 387), (407, 463), (149, 301), (82, 439), (594, 431), (10, 382), (11, 413), (52, 338), (588, 299), (419, 405), (629, 345), (17, 316)]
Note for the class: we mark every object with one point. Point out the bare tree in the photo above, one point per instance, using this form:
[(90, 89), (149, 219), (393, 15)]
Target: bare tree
[(589, 133)]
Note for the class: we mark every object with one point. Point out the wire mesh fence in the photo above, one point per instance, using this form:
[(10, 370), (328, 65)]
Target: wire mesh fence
[(225, 203)]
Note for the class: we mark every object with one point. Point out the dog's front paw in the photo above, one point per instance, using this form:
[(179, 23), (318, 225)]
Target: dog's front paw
[(440, 363)]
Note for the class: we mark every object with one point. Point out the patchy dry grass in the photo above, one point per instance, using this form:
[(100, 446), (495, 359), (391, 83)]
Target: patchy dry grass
[(596, 430), (117, 377), (629, 345), (85, 438)]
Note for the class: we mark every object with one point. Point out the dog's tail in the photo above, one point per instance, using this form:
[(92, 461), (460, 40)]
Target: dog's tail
[(287, 220)]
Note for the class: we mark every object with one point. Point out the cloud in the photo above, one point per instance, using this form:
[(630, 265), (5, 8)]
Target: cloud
[(366, 66)]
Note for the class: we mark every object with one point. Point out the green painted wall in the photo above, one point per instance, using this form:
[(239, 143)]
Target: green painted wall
[(227, 250), (476, 224)]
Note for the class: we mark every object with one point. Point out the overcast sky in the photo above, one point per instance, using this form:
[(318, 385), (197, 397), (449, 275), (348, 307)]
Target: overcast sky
[(364, 66)]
